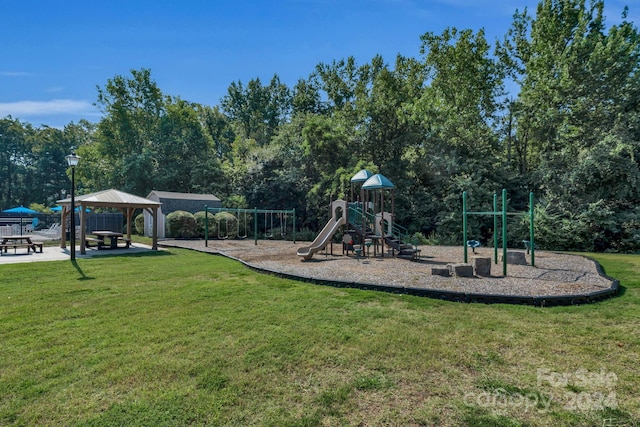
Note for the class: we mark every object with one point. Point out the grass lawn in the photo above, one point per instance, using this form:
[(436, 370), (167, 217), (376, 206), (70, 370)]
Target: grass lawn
[(184, 338)]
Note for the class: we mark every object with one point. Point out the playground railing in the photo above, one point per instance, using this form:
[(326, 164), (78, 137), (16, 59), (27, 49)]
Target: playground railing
[(356, 217), (397, 231)]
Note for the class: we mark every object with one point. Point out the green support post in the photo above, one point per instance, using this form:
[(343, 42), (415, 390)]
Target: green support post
[(464, 224), (293, 212), (504, 232), (531, 233), (206, 226), (255, 226), (495, 228)]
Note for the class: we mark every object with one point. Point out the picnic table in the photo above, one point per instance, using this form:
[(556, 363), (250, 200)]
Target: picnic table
[(17, 241), (113, 236)]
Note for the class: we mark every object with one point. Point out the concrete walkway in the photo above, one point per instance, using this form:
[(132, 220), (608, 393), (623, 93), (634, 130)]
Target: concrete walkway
[(55, 253)]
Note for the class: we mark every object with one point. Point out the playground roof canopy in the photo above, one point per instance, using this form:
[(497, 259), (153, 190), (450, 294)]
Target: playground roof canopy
[(378, 182), (361, 176)]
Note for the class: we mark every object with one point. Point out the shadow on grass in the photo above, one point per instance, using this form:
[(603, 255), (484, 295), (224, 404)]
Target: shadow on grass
[(145, 254), (83, 276), (80, 272)]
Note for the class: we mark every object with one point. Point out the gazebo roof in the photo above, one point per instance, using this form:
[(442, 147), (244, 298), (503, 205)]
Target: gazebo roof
[(111, 198), (378, 182), (128, 203)]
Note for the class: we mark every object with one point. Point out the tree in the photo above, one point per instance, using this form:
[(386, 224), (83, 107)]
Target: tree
[(14, 158), (459, 149), (219, 129), (126, 136), (257, 109), (576, 114)]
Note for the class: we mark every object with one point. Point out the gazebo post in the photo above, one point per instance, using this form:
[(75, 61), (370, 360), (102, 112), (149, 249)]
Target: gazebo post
[(154, 215), (129, 215), (384, 233), (83, 229)]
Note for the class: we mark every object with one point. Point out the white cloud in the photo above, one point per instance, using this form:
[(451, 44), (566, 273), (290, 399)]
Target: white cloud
[(56, 106)]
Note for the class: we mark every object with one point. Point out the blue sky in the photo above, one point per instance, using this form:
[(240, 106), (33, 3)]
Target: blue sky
[(55, 53)]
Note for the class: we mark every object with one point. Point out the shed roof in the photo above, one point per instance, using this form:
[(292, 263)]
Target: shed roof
[(190, 202), (183, 196)]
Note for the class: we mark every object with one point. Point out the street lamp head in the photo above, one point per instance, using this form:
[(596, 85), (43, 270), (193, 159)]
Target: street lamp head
[(73, 160)]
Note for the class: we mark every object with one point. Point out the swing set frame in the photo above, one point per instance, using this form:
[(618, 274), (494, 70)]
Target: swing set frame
[(283, 213)]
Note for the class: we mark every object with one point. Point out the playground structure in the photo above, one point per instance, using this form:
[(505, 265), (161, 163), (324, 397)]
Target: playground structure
[(503, 214), (365, 219), (266, 216)]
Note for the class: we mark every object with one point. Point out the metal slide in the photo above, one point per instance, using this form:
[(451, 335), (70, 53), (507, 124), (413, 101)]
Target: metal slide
[(323, 238)]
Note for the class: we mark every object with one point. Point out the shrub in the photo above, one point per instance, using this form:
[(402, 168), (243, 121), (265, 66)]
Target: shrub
[(200, 222), (181, 224), (226, 225), (306, 235), (418, 239), (138, 224)]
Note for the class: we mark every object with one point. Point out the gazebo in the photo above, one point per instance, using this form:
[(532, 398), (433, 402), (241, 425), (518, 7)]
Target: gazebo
[(126, 202)]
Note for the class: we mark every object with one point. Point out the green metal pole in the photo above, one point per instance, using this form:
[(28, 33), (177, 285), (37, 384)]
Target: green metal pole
[(495, 228), (255, 226), (293, 211), (504, 232), (531, 233), (206, 226), (464, 224)]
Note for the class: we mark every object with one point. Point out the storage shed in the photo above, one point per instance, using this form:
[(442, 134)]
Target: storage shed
[(172, 202)]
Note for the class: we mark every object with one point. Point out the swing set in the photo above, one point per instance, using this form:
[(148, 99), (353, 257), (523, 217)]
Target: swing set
[(498, 214), (270, 230), (282, 220)]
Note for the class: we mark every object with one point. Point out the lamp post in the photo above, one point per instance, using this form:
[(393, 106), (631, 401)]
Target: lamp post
[(73, 160)]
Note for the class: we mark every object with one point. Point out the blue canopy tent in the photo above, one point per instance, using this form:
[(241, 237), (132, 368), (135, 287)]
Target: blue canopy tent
[(59, 209), (22, 211)]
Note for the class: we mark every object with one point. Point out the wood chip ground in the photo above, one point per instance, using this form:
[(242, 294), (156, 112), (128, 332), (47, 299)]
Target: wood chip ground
[(555, 274)]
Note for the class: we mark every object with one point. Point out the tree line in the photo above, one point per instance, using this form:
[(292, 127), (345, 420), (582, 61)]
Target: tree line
[(553, 107)]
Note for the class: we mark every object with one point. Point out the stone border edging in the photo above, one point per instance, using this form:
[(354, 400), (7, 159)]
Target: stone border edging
[(537, 301)]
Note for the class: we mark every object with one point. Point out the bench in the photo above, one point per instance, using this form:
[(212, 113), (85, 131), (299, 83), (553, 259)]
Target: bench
[(101, 245), (15, 246), (89, 240)]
